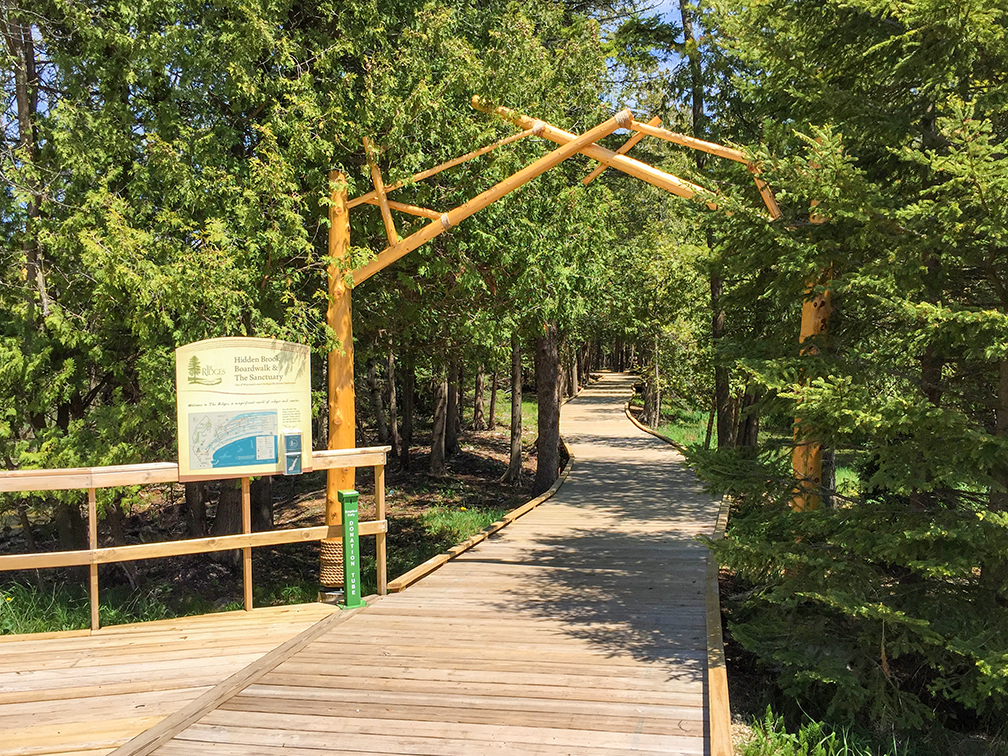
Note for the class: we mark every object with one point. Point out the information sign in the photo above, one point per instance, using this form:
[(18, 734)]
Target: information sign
[(244, 406)]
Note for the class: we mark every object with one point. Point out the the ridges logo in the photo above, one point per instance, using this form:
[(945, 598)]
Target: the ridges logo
[(205, 375)]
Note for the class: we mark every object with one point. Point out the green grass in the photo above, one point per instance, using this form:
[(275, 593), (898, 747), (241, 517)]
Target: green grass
[(771, 738), (530, 412), (452, 525), (684, 427), (26, 609), (436, 530)]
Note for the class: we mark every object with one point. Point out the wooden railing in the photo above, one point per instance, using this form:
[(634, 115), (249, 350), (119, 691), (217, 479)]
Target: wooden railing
[(93, 478)]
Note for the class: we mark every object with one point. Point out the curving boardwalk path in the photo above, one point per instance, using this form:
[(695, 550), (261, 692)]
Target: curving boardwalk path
[(578, 629)]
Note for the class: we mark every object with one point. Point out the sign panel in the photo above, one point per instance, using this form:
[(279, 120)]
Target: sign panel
[(244, 406)]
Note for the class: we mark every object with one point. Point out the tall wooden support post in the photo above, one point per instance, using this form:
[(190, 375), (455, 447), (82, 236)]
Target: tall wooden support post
[(246, 504), (806, 459), (342, 422), (93, 544), (379, 487)]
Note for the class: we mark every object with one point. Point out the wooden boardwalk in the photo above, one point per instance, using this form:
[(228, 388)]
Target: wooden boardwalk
[(578, 629)]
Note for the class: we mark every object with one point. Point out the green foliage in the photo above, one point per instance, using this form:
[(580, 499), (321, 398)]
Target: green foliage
[(887, 124), (771, 738)]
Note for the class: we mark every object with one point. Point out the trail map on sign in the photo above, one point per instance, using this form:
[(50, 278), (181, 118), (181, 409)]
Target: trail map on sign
[(232, 439)]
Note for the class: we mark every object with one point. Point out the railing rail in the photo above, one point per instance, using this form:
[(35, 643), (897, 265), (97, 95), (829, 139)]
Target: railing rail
[(93, 478)]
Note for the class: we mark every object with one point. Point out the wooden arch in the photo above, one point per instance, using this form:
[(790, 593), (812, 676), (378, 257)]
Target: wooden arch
[(807, 457)]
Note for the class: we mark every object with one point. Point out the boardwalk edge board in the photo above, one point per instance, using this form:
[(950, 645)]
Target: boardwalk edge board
[(678, 447), (149, 740), (423, 570), (717, 675)]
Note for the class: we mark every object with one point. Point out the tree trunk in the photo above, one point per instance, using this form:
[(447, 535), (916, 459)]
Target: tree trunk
[(114, 516), (574, 388), (513, 474), (228, 520), (376, 400), (931, 372), (409, 401), (26, 527), (722, 398), (437, 453), (451, 446), (828, 476), (479, 423), (393, 419), (647, 415), (492, 419), (261, 500), (710, 425), (19, 37), (460, 402), (548, 391), (71, 527), (994, 572), (195, 509), (748, 421)]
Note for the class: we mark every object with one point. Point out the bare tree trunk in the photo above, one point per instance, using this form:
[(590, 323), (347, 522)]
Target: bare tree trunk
[(376, 400), (409, 401), (710, 425), (828, 476), (722, 398), (451, 446), (478, 421), (228, 520), (748, 421), (514, 472), (492, 420), (437, 453), (71, 527), (460, 403), (261, 501), (114, 515), (548, 391), (393, 419), (574, 388), (26, 527), (195, 509), (994, 572), (19, 39)]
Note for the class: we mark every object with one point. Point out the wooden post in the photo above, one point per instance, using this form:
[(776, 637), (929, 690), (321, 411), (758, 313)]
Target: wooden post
[(342, 421), (93, 544), (246, 497), (379, 477)]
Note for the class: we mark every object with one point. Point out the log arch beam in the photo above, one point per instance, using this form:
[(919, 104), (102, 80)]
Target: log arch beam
[(341, 387)]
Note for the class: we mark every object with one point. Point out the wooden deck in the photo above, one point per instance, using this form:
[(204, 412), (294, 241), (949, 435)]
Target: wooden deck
[(578, 629)]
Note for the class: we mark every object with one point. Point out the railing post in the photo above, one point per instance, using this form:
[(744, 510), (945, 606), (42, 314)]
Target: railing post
[(246, 497), (92, 545), (379, 476), (351, 550)]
